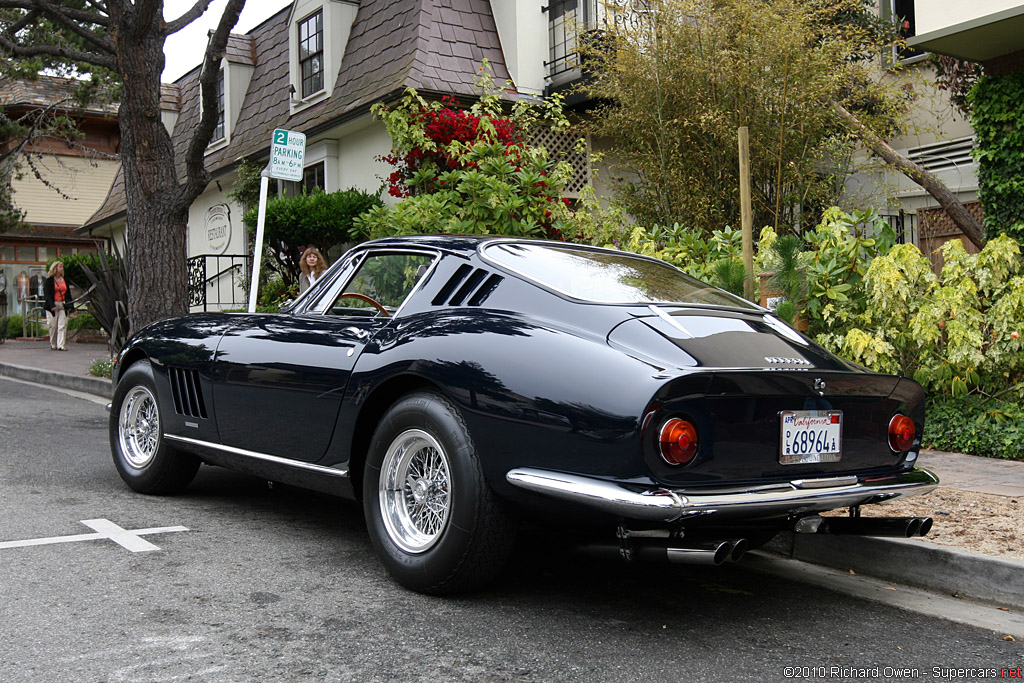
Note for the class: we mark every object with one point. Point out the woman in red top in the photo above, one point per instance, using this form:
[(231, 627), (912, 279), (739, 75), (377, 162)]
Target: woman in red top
[(58, 305)]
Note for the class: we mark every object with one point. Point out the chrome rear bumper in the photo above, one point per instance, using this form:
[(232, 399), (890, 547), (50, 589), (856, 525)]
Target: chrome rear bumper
[(800, 496)]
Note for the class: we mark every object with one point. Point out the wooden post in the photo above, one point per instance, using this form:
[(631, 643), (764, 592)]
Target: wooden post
[(746, 220)]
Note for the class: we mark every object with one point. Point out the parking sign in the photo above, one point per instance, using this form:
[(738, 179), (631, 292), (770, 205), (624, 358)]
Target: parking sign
[(287, 152)]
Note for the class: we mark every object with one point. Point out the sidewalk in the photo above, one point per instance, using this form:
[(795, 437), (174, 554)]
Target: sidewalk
[(34, 361), (910, 562)]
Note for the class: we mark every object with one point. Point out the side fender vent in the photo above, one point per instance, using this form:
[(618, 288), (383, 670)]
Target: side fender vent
[(469, 285), (188, 395)]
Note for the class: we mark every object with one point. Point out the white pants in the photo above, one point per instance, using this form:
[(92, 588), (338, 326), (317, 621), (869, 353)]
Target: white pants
[(58, 325)]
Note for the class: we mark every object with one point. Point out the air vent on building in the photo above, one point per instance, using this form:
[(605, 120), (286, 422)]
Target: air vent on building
[(188, 395), (467, 284), (941, 156)]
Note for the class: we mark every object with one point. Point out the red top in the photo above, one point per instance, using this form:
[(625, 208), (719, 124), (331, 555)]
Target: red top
[(60, 288)]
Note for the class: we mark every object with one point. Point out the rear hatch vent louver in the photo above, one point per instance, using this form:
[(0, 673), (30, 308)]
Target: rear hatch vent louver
[(467, 285), (188, 395)]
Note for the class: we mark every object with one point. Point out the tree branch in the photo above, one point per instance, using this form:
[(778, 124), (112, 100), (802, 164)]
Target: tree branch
[(30, 17), (970, 226), (62, 17), (188, 17), (93, 58), (196, 176), (82, 15)]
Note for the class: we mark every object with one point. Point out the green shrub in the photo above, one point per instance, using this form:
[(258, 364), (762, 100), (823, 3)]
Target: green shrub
[(971, 425), (83, 320), (73, 271), (998, 122), (101, 368), (14, 323), (471, 171), (318, 219), (956, 334)]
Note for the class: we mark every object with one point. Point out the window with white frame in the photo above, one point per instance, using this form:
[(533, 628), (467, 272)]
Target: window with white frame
[(311, 53)]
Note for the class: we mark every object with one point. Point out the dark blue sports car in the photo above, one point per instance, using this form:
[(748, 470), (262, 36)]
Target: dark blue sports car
[(465, 387)]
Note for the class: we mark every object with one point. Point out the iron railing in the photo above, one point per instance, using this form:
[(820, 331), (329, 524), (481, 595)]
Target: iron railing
[(218, 281)]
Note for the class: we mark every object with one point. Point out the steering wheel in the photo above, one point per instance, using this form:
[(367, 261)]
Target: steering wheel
[(363, 297)]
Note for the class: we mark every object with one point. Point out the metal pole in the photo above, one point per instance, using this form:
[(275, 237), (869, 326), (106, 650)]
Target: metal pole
[(746, 219), (257, 253)]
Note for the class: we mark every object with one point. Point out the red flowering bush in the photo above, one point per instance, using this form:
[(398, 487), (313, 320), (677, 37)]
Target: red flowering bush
[(470, 170)]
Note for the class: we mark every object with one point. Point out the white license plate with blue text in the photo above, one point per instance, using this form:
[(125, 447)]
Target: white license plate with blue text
[(809, 436)]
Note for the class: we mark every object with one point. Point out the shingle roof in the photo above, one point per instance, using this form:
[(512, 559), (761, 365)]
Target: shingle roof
[(435, 46), (45, 91)]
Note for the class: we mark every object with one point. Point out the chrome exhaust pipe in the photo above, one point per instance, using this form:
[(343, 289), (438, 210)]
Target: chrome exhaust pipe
[(713, 553), (739, 549), (899, 527), (925, 526)]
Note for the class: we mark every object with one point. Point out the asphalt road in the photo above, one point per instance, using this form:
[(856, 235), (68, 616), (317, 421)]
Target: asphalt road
[(278, 584)]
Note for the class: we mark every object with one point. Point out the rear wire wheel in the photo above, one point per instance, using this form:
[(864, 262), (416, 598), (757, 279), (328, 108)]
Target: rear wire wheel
[(433, 521)]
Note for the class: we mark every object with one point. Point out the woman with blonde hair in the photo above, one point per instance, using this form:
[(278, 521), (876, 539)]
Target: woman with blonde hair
[(312, 265), (58, 305)]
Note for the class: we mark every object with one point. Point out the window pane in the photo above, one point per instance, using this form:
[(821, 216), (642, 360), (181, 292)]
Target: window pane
[(26, 253), (608, 277), (387, 279), (47, 253), (6, 253)]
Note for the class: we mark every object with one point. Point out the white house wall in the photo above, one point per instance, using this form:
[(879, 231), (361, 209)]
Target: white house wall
[(206, 239), (935, 15)]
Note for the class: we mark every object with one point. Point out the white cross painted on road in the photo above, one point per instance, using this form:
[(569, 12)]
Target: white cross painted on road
[(104, 528)]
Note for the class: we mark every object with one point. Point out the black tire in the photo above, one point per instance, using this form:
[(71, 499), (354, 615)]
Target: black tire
[(441, 531), (141, 455)]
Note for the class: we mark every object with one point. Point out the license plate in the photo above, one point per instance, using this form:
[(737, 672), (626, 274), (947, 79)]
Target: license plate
[(809, 436)]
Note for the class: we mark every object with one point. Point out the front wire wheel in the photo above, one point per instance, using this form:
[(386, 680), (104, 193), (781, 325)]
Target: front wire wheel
[(141, 455), (139, 427), (415, 491)]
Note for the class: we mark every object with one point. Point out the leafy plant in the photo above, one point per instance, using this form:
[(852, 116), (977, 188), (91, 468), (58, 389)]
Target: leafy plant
[(957, 334), (320, 219), (998, 122), (83, 320), (971, 424), (471, 171), (108, 297), (101, 368)]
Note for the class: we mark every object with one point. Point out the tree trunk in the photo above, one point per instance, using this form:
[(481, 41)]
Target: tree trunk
[(156, 221), (970, 226)]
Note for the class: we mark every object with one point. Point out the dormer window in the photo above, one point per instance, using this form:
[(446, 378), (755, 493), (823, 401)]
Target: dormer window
[(311, 53), (218, 132)]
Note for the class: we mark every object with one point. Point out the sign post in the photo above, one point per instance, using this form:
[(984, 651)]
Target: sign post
[(287, 156)]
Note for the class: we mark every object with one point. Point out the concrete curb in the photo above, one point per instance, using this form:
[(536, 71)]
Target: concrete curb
[(911, 562), (89, 385)]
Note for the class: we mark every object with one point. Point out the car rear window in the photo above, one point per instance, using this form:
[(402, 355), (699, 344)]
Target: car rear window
[(605, 276)]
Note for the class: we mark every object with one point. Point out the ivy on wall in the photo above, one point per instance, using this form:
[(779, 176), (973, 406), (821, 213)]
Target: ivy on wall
[(998, 120)]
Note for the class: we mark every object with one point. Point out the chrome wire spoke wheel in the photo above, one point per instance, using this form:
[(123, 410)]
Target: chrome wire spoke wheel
[(415, 491), (139, 427)]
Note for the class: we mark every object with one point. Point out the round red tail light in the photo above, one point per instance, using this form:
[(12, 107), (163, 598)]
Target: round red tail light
[(901, 433), (678, 441)]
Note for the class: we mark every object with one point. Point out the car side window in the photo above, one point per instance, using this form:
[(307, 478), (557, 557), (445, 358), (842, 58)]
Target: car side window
[(381, 284)]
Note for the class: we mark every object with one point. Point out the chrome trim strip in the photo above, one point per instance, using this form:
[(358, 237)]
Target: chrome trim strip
[(258, 456), (671, 321), (824, 482), (664, 505)]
